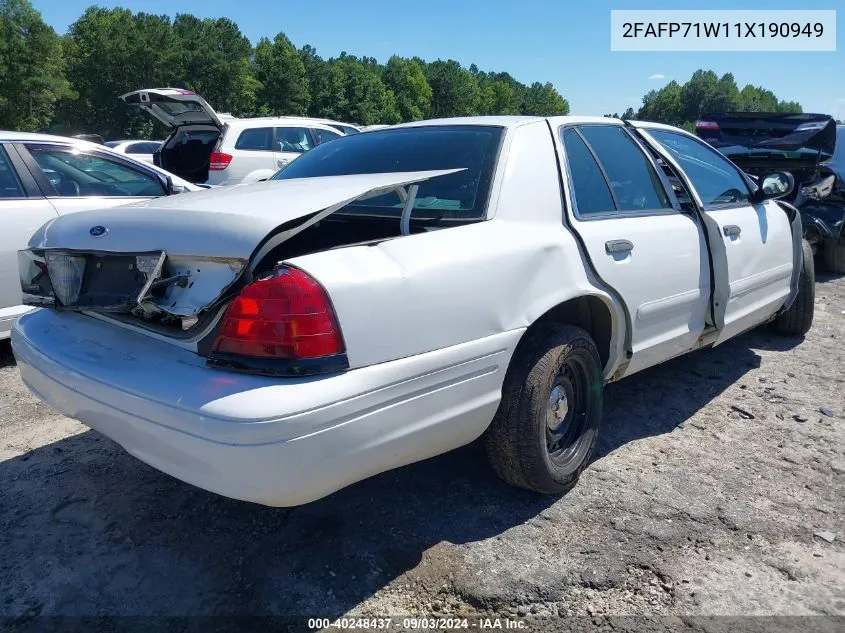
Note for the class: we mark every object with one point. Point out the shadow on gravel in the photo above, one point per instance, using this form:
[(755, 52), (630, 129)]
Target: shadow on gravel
[(88, 529), (7, 359), (659, 399), (825, 278)]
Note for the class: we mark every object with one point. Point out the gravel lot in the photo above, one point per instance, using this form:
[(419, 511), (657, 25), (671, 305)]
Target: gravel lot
[(714, 474)]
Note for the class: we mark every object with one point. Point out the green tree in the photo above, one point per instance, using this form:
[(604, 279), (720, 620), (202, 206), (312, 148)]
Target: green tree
[(214, 61), (543, 100), (31, 68), (368, 100), (325, 84), (406, 78), (109, 52), (455, 91), (663, 105), (707, 93), (500, 93), (280, 71)]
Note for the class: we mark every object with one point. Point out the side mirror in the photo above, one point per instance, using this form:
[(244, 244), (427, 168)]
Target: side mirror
[(173, 188), (774, 185)]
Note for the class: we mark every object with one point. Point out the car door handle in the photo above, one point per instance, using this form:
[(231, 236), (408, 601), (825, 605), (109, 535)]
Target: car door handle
[(618, 246), (731, 230), (282, 163)]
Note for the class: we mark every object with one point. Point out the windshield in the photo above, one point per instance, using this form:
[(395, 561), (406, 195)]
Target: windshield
[(462, 195), (113, 143)]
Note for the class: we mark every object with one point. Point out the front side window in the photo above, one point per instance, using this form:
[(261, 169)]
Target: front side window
[(463, 195), (256, 139), (324, 135), (10, 186), (293, 139), (635, 184), (713, 176), (73, 172)]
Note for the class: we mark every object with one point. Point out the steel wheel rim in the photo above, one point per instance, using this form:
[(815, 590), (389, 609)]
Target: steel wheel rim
[(567, 411)]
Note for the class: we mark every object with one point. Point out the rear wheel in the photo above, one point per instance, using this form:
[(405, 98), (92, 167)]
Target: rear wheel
[(833, 252), (545, 430), (798, 319)]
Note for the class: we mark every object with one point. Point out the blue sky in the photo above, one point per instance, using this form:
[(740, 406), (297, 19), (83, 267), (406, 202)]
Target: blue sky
[(564, 42)]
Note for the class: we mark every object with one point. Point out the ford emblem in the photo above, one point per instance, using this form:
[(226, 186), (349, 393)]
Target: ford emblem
[(98, 231)]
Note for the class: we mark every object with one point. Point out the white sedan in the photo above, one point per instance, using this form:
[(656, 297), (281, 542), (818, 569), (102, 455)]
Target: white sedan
[(139, 150), (393, 295), (43, 177)]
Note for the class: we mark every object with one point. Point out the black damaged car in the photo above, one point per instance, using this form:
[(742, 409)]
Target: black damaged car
[(809, 146)]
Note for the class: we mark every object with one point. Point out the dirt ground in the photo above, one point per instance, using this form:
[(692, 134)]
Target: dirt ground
[(714, 477)]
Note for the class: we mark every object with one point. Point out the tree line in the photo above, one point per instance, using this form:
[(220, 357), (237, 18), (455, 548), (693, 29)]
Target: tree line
[(705, 93), (70, 84)]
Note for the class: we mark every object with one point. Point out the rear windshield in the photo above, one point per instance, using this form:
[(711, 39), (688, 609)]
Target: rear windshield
[(462, 195), (175, 108)]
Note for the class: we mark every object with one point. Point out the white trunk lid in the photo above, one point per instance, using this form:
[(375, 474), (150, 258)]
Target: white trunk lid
[(228, 222), (191, 247)]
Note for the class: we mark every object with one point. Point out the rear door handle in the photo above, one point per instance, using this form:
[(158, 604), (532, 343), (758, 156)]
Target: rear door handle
[(618, 246), (731, 229)]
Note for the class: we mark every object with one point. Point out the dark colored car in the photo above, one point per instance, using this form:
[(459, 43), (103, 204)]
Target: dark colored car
[(809, 146)]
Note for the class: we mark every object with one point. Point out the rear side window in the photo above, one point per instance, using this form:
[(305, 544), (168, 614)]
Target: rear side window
[(293, 139), (256, 139), (463, 195), (634, 183), (592, 194), (10, 186), (324, 135), (714, 177)]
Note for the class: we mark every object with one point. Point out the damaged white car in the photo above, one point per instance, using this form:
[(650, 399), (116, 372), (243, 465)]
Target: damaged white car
[(396, 294)]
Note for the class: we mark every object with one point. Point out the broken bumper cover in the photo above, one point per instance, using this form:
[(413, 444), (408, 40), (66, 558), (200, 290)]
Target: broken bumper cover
[(279, 442)]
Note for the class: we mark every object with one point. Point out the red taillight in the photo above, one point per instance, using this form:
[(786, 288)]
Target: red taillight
[(219, 160), (287, 316), (706, 125)]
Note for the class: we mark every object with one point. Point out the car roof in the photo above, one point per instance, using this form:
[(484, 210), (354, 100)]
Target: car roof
[(504, 121), (6, 135), (279, 121)]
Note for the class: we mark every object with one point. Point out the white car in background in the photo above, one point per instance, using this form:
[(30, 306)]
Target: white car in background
[(205, 147), (139, 150), (399, 293), (43, 177)]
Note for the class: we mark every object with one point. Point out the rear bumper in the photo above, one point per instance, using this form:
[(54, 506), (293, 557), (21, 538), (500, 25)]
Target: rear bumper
[(278, 442)]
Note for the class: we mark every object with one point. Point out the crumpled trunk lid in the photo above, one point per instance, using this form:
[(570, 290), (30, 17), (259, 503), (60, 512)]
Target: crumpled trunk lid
[(172, 259)]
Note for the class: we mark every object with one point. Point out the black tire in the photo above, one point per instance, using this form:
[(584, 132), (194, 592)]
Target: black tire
[(797, 320), (520, 443), (833, 252)]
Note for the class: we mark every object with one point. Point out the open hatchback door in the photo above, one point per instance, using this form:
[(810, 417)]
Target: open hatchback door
[(168, 263), (195, 129), (174, 106)]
